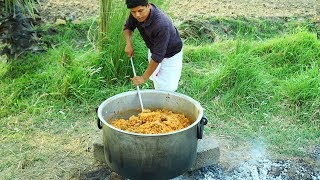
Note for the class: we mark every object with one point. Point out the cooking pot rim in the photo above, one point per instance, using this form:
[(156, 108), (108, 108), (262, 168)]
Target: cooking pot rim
[(200, 109)]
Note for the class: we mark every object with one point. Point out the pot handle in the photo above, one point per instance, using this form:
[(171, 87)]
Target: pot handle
[(200, 127), (98, 120)]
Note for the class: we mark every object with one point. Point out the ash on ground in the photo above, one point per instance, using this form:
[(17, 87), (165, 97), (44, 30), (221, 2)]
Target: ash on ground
[(257, 165), (263, 169)]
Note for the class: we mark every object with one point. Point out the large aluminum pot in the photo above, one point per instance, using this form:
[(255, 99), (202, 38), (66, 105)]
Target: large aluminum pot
[(141, 156)]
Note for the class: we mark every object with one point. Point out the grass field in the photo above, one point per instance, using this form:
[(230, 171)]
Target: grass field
[(259, 83)]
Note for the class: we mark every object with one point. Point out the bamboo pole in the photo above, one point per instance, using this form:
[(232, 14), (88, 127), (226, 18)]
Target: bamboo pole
[(104, 17)]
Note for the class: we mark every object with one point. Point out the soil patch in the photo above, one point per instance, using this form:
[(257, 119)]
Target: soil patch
[(249, 8), (50, 10)]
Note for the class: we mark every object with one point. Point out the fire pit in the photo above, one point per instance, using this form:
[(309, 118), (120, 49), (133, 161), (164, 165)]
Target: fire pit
[(150, 156)]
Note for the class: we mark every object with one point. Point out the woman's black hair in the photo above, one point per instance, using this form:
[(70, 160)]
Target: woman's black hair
[(134, 3)]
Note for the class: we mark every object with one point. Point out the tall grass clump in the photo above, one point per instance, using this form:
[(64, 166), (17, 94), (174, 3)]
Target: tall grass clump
[(242, 83), (294, 61), (76, 76), (292, 54), (62, 74), (201, 63), (237, 78), (259, 89), (301, 94), (111, 41), (254, 77)]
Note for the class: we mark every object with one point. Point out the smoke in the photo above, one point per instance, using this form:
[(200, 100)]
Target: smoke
[(258, 150)]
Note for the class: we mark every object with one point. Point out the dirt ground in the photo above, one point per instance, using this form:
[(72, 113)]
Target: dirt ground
[(50, 10), (249, 8)]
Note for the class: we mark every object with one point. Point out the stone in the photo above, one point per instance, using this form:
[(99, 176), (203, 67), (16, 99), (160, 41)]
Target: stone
[(76, 21), (60, 22), (208, 152)]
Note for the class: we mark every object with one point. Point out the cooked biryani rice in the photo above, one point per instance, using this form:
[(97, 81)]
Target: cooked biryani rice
[(153, 122)]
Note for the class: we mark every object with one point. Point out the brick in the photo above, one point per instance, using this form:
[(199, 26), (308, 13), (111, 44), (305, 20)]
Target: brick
[(208, 152)]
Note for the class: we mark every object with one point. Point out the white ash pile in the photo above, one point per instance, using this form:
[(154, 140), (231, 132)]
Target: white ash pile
[(263, 169)]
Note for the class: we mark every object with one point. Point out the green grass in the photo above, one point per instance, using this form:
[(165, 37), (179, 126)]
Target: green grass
[(255, 89), (250, 88)]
